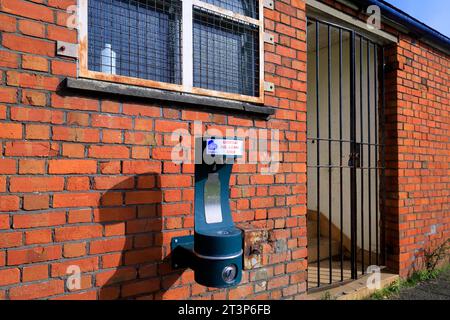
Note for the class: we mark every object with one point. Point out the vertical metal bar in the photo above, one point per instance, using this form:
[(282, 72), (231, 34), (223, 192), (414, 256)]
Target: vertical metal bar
[(382, 155), (329, 156), (187, 43), (361, 132), (369, 170), (341, 207), (353, 150), (376, 93), (318, 151)]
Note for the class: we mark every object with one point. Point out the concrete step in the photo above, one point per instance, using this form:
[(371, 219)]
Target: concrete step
[(324, 249)]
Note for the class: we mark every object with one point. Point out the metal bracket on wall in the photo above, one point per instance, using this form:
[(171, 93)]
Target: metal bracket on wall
[(269, 38), (268, 4), (269, 86), (66, 49)]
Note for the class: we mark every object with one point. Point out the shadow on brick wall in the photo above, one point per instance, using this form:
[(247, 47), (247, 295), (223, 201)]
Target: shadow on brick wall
[(135, 261)]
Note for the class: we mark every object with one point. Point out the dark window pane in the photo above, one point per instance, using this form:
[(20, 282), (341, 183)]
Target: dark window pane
[(248, 8), (226, 54), (134, 38)]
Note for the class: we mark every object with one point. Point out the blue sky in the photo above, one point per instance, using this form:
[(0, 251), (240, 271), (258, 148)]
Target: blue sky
[(434, 13)]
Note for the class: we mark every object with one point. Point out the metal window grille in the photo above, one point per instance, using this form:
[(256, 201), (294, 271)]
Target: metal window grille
[(225, 54), (249, 8), (138, 39), (208, 47)]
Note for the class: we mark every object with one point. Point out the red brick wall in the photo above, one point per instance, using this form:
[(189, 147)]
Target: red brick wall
[(418, 153), (89, 182)]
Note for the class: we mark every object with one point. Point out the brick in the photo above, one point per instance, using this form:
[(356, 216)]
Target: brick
[(34, 63), (110, 106), (169, 126), (37, 115), (2, 184), (10, 131), (10, 239), (7, 23), (114, 214), (35, 202), (141, 110), (142, 286), (37, 132), (73, 150), (8, 166), (36, 184), (143, 197), (78, 119), (115, 276), (76, 200), (31, 166), (108, 152), (181, 293), (27, 9), (140, 167), (112, 136), (8, 95), (63, 68), (39, 219), (86, 265), (122, 182), (4, 221), (140, 138), (32, 28), (78, 233), (34, 98), (32, 255), (38, 236), (72, 166), (76, 134), (109, 245), (9, 203), (2, 112), (169, 209), (77, 216), (74, 103), (29, 45), (37, 290), (113, 122), (174, 181), (61, 34), (78, 183), (9, 276), (110, 167), (8, 59), (72, 250), (33, 81), (35, 272), (140, 152)]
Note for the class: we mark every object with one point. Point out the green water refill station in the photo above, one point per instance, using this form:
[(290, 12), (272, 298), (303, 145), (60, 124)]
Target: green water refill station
[(214, 252)]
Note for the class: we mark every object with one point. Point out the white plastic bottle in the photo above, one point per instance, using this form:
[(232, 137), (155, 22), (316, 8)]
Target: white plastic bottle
[(108, 60)]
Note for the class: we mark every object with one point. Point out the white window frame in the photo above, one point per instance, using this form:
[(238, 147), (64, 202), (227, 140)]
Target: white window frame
[(187, 53)]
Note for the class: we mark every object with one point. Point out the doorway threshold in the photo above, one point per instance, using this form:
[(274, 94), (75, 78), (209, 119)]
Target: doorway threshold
[(353, 290)]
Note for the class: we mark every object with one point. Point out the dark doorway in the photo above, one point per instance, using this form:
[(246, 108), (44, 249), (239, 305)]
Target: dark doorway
[(345, 154)]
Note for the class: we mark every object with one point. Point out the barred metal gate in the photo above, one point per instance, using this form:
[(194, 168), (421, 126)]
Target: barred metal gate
[(345, 154)]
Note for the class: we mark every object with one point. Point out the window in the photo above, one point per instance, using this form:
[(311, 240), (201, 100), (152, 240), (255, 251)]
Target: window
[(209, 47)]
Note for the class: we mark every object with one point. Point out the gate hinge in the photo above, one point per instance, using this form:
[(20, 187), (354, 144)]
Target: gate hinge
[(66, 49), (269, 38), (269, 86), (268, 4)]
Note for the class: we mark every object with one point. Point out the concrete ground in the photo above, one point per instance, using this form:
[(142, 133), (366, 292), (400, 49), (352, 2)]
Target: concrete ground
[(437, 289)]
